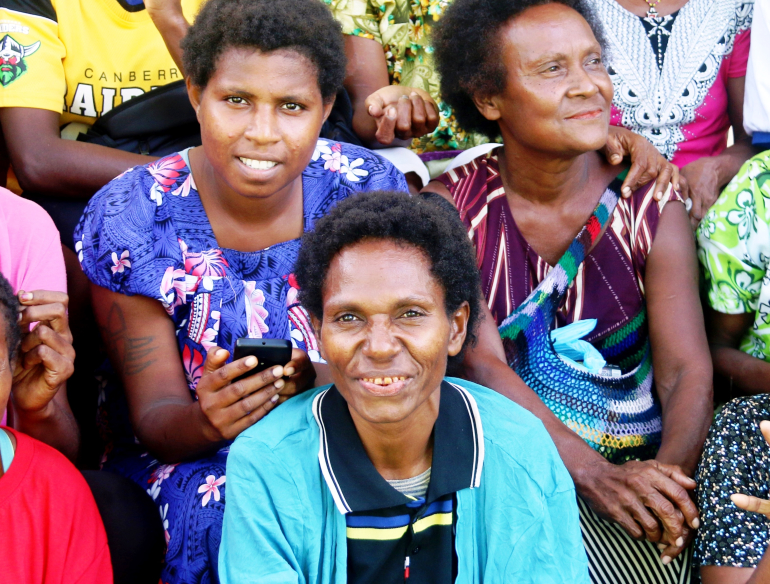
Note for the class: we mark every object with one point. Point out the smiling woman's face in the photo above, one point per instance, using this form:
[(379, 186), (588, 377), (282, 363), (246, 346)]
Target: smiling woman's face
[(558, 93), (385, 332), (260, 117)]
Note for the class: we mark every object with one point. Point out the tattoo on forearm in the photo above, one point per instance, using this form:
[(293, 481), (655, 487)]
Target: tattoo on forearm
[(131, 354)]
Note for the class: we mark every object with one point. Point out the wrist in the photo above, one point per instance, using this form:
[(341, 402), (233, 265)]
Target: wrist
[(30, 415)]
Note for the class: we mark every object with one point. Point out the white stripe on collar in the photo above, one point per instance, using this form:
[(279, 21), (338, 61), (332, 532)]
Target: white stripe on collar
[(323, 458), (478, 438)]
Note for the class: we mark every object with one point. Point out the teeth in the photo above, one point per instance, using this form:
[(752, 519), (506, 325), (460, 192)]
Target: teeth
[(258, 164), (383, 381)]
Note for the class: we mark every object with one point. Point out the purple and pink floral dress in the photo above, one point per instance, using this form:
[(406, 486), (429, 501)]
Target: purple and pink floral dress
[(147, 233)]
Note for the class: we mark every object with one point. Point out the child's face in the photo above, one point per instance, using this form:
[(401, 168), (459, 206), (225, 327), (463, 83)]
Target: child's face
[(6, 371)]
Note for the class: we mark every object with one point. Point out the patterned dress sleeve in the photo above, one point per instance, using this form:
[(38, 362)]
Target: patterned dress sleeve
[(734, 240), (739, 57), (125, 239)]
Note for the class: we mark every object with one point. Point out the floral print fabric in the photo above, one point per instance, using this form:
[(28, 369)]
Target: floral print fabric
[(147, 233), (403, 27), (734, 250), (736, 459)]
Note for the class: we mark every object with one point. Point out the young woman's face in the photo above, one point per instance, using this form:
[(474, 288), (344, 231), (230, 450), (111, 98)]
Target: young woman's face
[(260, 117), (385, 332), (558, 93)]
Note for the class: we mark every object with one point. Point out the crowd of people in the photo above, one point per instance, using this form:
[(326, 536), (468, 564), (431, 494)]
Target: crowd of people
[(517, 253)]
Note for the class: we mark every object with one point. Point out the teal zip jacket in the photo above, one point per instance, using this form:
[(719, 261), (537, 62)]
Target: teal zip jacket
[(518, 526)]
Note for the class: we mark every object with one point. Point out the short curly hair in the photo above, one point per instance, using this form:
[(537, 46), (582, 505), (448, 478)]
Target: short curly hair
[(426, 222), (9, 308), (304, 26), (468, 46)]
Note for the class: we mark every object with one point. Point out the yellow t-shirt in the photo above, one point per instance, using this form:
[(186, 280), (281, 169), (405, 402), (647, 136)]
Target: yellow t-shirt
[(81, 57)]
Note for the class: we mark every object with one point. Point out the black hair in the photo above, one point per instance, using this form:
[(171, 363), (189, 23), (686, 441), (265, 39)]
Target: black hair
[(304, 26), (468, 49), (426, 222), (9, 307)]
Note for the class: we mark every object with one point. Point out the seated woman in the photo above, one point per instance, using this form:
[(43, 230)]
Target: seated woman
[(556, 245), (52, 530), (421, 478), (191, 253), (733, 240), (393, 85), (678, 68)]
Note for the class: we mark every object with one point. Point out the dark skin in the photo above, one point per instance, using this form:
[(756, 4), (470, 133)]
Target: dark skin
[(45, 362), (46, 163), (748, 375), (386, 115), (730, 574), (6, 379), (703, 179), (386, 341), (258, 109), (553, 115)]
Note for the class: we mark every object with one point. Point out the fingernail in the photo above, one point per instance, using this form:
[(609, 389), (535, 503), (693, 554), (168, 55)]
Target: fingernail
[(662, 546), (392, 113), (627, 190), (278, 371), (371, 110), (616, 158), (413, 94), (659, 195), (220, 353), (25, 296), (279, 383), (695, 523), (666, 560), (679, 541), (250, 361), (275, 398), (289, 371)]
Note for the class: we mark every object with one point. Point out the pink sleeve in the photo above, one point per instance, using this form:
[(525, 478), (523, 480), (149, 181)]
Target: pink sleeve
[(739, 58)]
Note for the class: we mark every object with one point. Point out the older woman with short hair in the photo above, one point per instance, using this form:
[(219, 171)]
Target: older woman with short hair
[(396, 473), (557, 244)]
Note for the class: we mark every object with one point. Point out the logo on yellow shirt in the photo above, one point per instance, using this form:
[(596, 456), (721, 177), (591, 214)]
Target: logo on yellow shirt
[(12, 55)]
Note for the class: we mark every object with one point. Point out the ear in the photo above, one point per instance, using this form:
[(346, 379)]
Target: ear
[(458, 328), (328, 108), (488, 107), (316, 323), (195, 93)]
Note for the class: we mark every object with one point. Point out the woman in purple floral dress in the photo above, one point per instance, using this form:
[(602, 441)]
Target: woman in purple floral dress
[(196, 250)]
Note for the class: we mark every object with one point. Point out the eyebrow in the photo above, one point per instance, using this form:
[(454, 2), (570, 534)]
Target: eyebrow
[(350, 304)]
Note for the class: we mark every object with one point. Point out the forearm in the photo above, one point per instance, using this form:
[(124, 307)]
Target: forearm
[(748, 375), (731, 159), (687, 413), (71, 169), (174, 431), (172, 26), (762, 574), (54, 425)]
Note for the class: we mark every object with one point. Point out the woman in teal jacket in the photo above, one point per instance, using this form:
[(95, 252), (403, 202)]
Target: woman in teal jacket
[(395, 472)]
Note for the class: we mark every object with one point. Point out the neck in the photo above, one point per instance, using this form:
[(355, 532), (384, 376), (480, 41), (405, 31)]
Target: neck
[(542, 177), (404, 449)]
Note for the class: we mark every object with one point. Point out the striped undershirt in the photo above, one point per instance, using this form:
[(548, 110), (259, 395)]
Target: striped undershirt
[(415, 487)]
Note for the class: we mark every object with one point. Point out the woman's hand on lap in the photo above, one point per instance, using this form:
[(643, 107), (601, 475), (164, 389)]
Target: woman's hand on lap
[(402, 113), (46, 357), (643, 497), (747, 502)]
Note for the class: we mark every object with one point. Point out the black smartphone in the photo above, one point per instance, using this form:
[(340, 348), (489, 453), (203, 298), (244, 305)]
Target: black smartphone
[(269, 353)]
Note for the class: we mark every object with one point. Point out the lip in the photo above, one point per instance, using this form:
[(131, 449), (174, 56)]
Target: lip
[(588, 115), (391, 389), (259, 174)]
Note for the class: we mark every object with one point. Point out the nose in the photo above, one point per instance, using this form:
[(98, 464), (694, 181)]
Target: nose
[(582, 84), (263, 126), (380, 343)]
